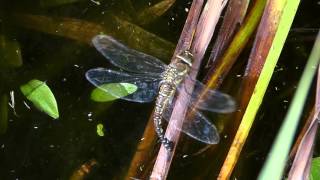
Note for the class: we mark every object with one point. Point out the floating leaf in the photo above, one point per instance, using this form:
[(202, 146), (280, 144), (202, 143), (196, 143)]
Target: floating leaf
[(112, 91), (3, 113), (315, 169), (41, 96), (100, 130)]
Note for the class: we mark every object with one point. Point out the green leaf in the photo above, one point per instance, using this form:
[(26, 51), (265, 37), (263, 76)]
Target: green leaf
[(278, 156), (112, 91), (100, 130), (315, 169), (41, 96)]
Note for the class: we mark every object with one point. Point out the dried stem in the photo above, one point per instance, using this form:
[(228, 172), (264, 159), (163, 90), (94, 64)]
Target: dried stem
[(233, 18), (263, 41), (149, 134), (302, 133), (301, 164), (203, 35), (222, 66)]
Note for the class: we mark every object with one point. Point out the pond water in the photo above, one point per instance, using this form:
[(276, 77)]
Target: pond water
[(49, 40)]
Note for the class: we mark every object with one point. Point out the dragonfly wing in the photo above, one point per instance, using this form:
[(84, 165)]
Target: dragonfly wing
[(147, 86), (213, 100), (126, 58), (195, 125)]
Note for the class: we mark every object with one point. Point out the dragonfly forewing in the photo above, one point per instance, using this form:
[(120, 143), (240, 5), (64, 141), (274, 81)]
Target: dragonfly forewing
[(126, 58), (147, 86)]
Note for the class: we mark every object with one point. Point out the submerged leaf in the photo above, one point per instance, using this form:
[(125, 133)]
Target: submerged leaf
[(150, 14), (315, 169), (100, 130), (112, 91), (41, 96), (55, 3), (83, 31), (10, 53), (3, 113)]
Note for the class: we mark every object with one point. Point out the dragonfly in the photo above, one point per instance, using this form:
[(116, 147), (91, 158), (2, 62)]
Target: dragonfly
[(156, 80)]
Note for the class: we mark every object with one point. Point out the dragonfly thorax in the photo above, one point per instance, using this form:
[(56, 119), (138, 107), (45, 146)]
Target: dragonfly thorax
[(174, 73)]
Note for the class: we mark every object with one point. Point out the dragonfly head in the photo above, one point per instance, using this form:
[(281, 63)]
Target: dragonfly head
[(186, 57)]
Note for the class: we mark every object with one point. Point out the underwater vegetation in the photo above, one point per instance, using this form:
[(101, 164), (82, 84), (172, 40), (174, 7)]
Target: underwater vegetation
[(241, 78)]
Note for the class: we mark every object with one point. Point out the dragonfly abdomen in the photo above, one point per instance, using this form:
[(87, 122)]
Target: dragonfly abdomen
[(166, 90)]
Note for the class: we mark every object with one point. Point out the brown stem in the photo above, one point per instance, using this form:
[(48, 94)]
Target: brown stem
[(258, 55), (149, 135), (221, 67), (302, 133), (204, 31), (301, 164), (304, 151), (233, 18)]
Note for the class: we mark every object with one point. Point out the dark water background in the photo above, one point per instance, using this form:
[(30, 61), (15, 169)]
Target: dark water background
[(37, 147)]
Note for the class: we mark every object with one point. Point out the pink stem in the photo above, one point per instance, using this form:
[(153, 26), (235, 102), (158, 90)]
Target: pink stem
[(301, 164), (204, 31)]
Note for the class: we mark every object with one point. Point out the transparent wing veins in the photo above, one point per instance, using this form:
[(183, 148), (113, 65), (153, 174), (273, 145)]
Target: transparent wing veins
[(146, 85), (125, 58)]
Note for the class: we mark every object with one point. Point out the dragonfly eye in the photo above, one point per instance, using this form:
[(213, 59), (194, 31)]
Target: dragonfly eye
[(186, 57)]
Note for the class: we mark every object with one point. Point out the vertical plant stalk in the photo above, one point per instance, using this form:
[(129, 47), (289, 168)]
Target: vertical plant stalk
[(276, 161), (232, 20), (204, 31), (304, 146), (301, 165), (149, 135), (222, 66), (270, 38), (302, 133), (220, 69)]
